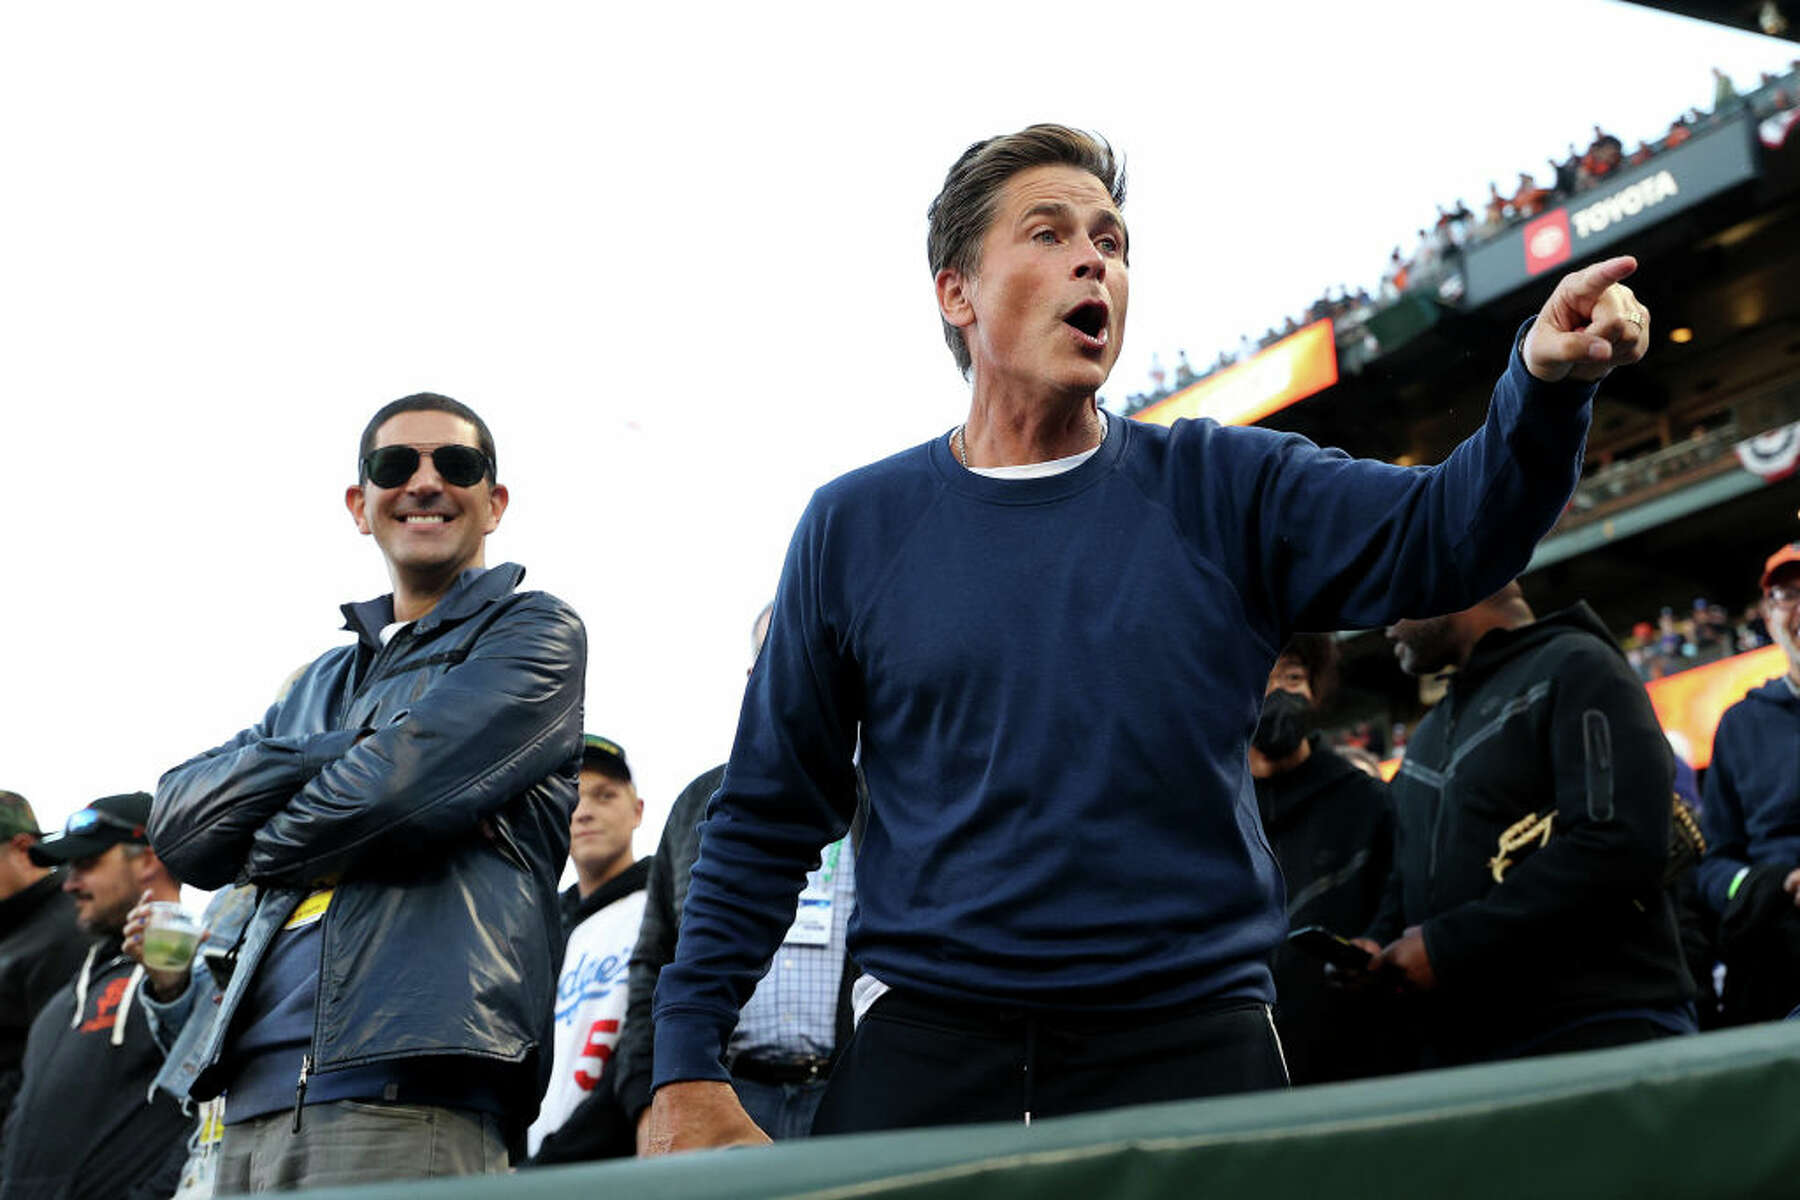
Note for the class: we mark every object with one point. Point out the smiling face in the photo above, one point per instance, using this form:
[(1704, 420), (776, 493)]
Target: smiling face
[(1045, 308), (429, 531)]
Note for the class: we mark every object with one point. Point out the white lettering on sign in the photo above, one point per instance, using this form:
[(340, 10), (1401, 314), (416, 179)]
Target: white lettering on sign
[(1628, 202)]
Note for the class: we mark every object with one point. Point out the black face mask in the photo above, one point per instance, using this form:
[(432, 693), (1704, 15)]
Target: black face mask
[(1286, 717)]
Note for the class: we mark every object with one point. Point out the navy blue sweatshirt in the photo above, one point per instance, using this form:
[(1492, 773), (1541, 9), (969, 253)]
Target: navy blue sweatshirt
[(1752, 811), (1055, 681)]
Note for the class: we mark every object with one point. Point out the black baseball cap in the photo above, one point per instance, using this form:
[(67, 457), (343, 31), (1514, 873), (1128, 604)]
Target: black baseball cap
[(105, 823), (605, 755)]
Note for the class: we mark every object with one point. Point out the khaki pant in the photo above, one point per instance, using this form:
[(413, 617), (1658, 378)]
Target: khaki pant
[(351, 1142)]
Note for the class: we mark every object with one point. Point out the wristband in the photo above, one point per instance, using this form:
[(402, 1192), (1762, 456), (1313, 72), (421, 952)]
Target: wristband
[(1736, 881)]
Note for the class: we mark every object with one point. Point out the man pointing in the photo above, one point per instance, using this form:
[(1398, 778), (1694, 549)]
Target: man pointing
[(1049, 633)]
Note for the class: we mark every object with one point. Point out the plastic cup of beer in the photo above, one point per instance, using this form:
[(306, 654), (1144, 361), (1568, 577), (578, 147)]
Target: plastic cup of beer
[(170, 937)]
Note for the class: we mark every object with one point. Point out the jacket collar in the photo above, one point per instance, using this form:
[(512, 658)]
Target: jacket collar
[(1499, 646), (1293, 790), (473, 590)]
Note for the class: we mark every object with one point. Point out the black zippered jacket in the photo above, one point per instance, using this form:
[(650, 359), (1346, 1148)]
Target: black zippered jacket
[(1332, 830), (1545, 717), (432, 778), (40, 947)]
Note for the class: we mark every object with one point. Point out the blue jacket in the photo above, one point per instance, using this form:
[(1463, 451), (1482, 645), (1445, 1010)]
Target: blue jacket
[(183, 1039), (1053, 682), (1752, 812), (432, 779)]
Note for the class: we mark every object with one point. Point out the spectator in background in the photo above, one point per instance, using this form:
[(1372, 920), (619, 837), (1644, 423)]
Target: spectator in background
[(581, 1118), (40, 945), (1678, 133), (1460, 221), (1750, 876), (404, 812), (1532, 917), (1184, 370), (1671, 641), (81, 1125), (799, 1017), (1752, 629), (1567, 172), (1528, 199), (1494, 214), (1640, 651), (1333, 834), (1725, 94)]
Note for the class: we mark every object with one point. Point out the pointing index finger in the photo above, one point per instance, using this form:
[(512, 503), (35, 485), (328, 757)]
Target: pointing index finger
[(1592, 282)]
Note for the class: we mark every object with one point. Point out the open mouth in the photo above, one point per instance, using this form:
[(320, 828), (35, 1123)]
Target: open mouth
[(424, 519), (1089, 320)]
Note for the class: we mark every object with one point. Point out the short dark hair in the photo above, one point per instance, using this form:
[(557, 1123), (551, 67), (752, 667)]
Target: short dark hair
[(427, 402), (1318, 654), (961, 213)]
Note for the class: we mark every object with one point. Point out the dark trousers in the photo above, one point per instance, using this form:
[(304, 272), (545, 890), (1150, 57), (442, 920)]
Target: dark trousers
[(917, 1061), (1598, 1035), (782, 1110)]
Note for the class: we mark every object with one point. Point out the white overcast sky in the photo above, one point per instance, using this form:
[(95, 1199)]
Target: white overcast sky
[(673, 253)]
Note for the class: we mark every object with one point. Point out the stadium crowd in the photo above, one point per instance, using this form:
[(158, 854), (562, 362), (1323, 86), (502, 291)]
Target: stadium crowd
[(971, 821), (1431, 263)]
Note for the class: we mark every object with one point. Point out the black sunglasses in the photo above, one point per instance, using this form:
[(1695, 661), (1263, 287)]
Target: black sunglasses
[(85, 821), (456, 465)]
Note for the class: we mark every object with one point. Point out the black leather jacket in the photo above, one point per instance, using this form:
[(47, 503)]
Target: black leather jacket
[(433, 779)]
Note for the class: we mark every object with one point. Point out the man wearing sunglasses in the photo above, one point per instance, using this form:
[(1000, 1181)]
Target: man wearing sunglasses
[(404, 811), (1751, 873), (82, 1124)]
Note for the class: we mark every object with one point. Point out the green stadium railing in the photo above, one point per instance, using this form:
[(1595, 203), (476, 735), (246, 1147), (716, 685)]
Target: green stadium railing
[(1712, 1115)]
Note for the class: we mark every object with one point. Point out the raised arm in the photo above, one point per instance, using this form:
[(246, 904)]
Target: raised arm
[(483, 732), (1345, 543)]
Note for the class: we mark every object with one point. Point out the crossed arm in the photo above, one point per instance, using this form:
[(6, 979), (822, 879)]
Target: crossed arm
[(296, 809)]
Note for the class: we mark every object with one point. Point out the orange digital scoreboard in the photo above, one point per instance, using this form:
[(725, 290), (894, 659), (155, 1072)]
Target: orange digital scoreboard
[(1299, 365)]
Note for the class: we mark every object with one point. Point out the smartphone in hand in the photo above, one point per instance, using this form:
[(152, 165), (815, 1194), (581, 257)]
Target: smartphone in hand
[(1340, 952)]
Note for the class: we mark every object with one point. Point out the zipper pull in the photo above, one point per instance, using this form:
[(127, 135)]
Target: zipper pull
[(300, 1089)]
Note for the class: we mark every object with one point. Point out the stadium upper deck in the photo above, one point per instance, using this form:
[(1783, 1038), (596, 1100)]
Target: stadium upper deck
[(1681, 496)]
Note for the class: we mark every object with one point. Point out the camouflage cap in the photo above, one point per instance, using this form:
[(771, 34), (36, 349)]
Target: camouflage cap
[(16, 815)]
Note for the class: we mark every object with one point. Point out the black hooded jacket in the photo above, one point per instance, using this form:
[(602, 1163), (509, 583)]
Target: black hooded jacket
[(1545, 718), (40, 947), (87, 1123), (1332, 830)]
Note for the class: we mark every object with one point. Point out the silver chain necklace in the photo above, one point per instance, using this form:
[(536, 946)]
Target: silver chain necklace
[(960, 445)]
